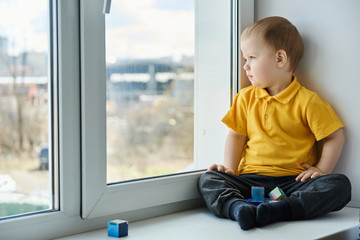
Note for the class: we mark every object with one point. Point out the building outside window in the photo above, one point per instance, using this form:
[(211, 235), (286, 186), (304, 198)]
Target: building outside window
[(150, 88)]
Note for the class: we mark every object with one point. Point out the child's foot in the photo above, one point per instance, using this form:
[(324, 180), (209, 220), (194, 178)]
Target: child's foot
[(268, 213), (244, 214)]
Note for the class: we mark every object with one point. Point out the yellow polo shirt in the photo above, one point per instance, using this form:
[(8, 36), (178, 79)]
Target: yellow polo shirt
[(281, 129)]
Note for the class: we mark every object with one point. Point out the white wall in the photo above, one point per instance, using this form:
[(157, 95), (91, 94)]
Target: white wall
[(331, 34)]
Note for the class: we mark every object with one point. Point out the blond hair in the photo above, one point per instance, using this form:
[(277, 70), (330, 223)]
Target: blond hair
[(279, 34)]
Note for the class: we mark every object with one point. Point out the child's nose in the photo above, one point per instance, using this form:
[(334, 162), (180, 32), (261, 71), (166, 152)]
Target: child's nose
[(246, 66)]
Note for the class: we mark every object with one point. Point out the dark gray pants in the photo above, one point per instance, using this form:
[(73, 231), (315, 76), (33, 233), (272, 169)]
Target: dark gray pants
[(309, 199)]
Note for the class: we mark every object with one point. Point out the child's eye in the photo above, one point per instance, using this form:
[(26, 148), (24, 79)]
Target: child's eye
[(250, 58)]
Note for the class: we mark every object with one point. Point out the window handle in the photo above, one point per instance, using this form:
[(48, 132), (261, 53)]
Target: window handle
[(107, 6)]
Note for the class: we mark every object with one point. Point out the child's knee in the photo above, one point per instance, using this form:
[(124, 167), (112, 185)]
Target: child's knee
[(342, 185), (205, 177), (209, 179), (341, 180)]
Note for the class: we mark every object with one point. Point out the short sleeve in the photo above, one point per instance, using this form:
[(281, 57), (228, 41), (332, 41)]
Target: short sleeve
[(321, 118), (236, 117)]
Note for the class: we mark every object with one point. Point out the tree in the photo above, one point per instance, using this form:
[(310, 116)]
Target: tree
[(21, 123)]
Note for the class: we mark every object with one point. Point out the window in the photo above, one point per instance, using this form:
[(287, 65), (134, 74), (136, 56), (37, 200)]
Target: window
[(150, 88), (26, 174), (86, 201)]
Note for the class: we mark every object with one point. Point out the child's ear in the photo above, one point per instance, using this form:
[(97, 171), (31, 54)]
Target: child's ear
[(281, 58)]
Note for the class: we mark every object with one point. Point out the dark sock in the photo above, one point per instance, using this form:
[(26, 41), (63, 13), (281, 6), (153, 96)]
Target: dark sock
[(244, 213), (272, 212)]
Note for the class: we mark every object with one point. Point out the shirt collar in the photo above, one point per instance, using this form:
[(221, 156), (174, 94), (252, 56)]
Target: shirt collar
[(284, 96)]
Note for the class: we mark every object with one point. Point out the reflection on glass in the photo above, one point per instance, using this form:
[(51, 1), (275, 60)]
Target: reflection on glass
[(24, 107), (150, 88)]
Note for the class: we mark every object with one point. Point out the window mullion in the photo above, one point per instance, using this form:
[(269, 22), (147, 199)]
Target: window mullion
[(93, 97), (69, 106)]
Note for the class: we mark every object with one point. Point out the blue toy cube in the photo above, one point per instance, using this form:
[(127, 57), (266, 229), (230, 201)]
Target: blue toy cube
[(257, 194), (117, 228), (277, 194)]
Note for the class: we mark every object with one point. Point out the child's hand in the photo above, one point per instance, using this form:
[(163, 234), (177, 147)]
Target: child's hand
[(221, 168), (310, 172)]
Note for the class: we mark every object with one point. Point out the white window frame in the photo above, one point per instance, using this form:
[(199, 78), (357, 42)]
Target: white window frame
[(84, 206)]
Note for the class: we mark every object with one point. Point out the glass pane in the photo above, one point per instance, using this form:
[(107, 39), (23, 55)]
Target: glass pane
[(25, 184), (150, 88)]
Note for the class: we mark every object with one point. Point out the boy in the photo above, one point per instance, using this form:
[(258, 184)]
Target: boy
[(273, 127)]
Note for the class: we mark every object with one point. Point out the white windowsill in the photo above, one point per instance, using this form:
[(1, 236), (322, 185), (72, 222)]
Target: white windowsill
[(200, 224)]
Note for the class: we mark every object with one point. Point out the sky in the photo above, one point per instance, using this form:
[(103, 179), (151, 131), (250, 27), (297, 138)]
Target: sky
[(135, 28), (25, 26), (150, 29)]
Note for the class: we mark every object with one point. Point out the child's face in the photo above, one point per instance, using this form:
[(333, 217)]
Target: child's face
[(260, 62)]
